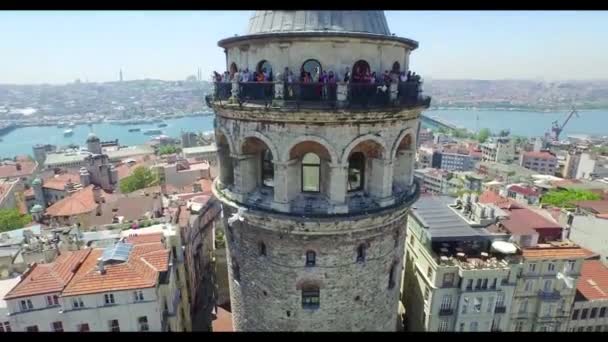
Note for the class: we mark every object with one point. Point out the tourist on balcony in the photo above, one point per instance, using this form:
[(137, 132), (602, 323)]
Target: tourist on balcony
[(403, 77), (409, 75), (387, 78), (323, 80), (347, 75), (302, 75), (265, 75)]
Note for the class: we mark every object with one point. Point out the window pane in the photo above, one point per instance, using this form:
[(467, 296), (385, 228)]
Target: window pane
[(310, 178)]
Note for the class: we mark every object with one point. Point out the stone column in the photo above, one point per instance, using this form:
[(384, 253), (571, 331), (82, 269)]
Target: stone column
[(278, 92), (381, 185), (394, 91), (337, 187), (284, 182), (245, 174), (342, 94), (235, 87), (225, 166)]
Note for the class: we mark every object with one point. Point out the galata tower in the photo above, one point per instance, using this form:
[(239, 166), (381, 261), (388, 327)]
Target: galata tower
[(316, 125)]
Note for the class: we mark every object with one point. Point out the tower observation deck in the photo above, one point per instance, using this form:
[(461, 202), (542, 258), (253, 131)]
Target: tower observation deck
[(316, 159)]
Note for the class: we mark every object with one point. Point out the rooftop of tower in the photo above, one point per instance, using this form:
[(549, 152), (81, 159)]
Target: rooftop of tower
[(265, 24)]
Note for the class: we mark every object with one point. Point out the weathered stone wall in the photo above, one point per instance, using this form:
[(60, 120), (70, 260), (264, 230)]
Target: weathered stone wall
[(333, 53), (354, 296)]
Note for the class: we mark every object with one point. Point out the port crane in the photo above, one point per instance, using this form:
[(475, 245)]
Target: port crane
[(557, 129)]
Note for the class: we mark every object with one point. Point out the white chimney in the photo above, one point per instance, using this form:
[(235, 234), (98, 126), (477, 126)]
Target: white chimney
[(100, 266)]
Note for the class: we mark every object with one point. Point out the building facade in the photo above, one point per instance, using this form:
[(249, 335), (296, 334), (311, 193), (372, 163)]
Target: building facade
[(543, 162), (316, 181), (498, 149)]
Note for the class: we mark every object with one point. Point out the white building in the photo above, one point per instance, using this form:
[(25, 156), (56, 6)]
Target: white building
[(500, 149), (130, 286), (454, 280), (208, 153)]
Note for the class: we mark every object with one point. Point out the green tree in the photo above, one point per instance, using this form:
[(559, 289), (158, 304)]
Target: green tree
[(12, 219), (168, 149), (483, 135), (142, 177), (565, 198)]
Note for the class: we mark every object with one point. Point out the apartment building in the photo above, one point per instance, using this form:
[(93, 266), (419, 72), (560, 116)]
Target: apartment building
[(546, 286), (129, 286), (543, 162), (498, 149), (591, 302), (457, 275)]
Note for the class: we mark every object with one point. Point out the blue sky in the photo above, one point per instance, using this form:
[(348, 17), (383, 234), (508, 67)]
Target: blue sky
[(59, 47)]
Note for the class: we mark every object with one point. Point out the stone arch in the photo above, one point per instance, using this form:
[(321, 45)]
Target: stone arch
[(399, 139), (363, 138), (264, 139), (333, 156), (223, 132)]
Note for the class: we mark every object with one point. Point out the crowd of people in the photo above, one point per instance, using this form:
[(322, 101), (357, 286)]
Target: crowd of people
[(314, 82)]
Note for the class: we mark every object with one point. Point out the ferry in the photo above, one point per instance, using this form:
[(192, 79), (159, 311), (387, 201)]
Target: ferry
[(153, 132), (162, 125), (60, 124), (71, 124), (134, 129), (68, 133)]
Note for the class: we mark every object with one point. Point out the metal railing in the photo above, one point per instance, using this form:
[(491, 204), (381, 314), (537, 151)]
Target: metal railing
[(358, 95), (446, 312), (500, 309)]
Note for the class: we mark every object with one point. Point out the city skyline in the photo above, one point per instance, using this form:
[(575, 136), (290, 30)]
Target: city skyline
[(60, 47)]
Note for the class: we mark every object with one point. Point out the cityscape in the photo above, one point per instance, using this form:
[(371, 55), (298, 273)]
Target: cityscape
[(316, 180)]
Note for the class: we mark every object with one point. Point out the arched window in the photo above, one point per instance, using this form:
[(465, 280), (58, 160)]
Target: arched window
[(313, 67), (391, 276), (356, 171), (310, 297), (267, 169), (361, 253), (262, 249), (233, 68), (360, 68), (264, 64), (396, 67), (548, 286), (311, 258), (311, 173)]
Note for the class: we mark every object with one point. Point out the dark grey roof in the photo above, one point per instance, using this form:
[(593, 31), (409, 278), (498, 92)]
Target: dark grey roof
[(373, 22), (441, 221)]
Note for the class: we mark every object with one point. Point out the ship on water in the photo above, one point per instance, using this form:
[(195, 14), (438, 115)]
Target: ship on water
[(68, 132), (153, 132), (134, 129), (162, 125)]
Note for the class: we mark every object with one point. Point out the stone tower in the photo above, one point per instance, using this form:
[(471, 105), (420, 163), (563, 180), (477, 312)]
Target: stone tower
[(93, 144), (39, 192), (316, 179)]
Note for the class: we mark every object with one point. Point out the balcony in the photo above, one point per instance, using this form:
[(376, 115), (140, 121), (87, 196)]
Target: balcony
[(446, 312), (325, 96), (549, 295), (500, 309)]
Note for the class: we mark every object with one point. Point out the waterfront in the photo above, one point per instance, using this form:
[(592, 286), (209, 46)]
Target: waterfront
[(21, 140)]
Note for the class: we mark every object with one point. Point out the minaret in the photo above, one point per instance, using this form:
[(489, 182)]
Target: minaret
[(316, 181)]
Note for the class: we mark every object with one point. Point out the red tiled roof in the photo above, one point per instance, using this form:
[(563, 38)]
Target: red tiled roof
[(526, 191), (599, 207), (540, 154), (141, 270), (29, 193), (80, 202), (145, 238), (490, 197), (555, 252), (59, 181), (9, 169), (593, 282), (49, 278)]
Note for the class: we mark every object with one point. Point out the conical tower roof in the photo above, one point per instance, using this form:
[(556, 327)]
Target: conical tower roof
[(371, 22)]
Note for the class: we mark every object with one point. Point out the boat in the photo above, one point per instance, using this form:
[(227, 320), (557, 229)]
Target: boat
[(153, 131), (134, 129), (162, 125), (71, 124), (60, 124), (68, 133)]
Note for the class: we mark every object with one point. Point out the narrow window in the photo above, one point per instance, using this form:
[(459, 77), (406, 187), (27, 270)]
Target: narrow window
[(391, 276), (32, 328), (448, 280), (310, 298), (478, 284), (593, 313), (267, 169), (311, 258), (465, 305), (429, 272), (77, 303), (109, 298), (446, 302), (469, 284), (443, 325), (143, 323), (551, 267), (547, 286), (311, 173), (484, 286), (7, 326), (493, 286), (138, 296), (114, 326), (361, 253), (584, 313), (84, 327), (57, 326), (473, 326), (262, 249), (49, 300), (356, 169), (519, 326), (477, 304), (575, 314), (56, 300), (603, 312)]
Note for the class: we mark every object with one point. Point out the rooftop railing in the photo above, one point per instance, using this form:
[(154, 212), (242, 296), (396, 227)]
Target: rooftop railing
[(315, 94)]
